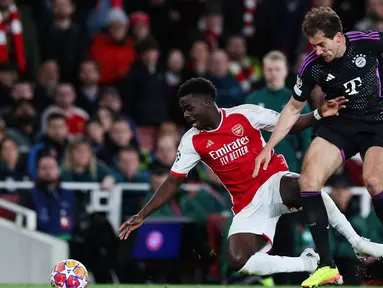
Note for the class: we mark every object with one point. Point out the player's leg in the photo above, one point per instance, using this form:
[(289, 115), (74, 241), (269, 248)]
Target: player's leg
[(321, 161), (289, 189), (247, 253), (373, 177)]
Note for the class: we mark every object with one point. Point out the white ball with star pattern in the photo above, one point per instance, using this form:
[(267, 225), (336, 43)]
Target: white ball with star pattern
[(69, 273)]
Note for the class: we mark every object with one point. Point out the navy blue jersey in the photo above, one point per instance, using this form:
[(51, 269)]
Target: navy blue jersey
[(355, 76)]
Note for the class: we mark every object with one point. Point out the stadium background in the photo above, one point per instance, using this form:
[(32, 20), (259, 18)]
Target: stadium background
[(88, 107)]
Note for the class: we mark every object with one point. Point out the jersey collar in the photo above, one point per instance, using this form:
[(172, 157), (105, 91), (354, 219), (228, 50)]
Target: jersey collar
[(223, 115)]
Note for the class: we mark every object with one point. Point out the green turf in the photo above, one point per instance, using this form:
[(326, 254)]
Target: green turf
[(163, 286)]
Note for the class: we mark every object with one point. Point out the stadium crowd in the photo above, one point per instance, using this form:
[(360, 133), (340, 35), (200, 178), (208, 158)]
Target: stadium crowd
[(88, 94)]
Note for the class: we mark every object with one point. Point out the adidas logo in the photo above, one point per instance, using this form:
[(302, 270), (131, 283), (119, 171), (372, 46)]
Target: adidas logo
[(209, 143), (330, 77)]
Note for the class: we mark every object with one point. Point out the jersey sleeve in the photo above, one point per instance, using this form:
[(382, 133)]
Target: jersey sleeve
[(187, 157), (304, 83), (259, 117)]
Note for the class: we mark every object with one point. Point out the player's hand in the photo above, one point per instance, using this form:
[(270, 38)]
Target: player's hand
[(130, 225), (264, 157), (332, 107)]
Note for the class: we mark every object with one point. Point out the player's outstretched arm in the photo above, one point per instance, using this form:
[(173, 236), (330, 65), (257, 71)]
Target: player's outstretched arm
[(329, 108), (163, 194)]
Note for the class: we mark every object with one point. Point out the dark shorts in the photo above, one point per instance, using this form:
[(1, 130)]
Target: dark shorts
[(350, 136)]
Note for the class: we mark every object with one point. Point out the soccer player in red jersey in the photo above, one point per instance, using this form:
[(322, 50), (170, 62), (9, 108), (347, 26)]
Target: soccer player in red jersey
[(228, 141)]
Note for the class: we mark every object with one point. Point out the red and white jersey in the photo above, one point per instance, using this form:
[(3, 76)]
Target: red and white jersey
[(230, 151)]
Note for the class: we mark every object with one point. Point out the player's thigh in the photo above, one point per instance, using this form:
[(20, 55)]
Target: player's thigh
[(242, 246), (373, 170), (321, 160), (290, 190)]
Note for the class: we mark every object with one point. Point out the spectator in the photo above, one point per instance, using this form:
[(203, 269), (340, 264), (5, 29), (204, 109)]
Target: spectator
[(166, 150), (140, 25), (245, 69), (47, 81), (20, 39), (53, 204), (64, 41), (147, 95), (120, 136), (81, 165), (54, 142), (374, 17), (229, 92), (198, 61), (12, 163), (275, 96), (8, 77), (64, 104), (95, 133), (23, 124), (113, 50), (89, 90), (107, 117), (169, 129)]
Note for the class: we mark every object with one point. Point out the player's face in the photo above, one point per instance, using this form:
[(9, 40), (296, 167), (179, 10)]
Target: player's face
[(195, 110), (326, 48)]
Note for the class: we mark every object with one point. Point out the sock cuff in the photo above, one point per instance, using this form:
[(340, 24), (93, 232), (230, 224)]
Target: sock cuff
[(377, 196), (310, 193)]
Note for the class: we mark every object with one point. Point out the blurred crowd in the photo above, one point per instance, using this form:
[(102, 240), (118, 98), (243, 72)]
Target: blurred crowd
[(88, 94)]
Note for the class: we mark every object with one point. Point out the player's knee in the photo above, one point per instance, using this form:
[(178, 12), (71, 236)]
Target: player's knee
[(237, 260), (309, 183), (373, 183)]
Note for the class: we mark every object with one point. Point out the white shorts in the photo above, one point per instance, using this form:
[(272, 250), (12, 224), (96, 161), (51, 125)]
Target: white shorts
[(262, 214)]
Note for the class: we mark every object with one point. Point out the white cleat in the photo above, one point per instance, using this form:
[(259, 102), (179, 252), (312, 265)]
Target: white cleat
[(311, 259), (364, 248)]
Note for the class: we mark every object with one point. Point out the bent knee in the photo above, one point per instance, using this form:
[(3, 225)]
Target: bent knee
[(237, 261), (373, 183), (309, 182)]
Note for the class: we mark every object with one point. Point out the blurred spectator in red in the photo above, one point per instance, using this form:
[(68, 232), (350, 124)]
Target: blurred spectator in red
[(198, 59), (46, 84), (89, 90), (113, 50), (54, 142), (140, 22), (229, 92), (19, 38), (64, 40), (54, 205), (81, 165), (210, 27), (64, 104), (246, 70), (145, 91)]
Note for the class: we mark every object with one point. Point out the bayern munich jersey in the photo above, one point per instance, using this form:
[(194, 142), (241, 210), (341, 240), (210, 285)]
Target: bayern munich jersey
[(230, 151), (355, 76)]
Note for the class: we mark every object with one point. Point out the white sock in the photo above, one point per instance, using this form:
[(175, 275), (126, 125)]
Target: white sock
[(338, 220), (265, 264)]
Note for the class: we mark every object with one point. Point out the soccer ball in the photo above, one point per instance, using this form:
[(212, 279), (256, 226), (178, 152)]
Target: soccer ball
[(69, 274)]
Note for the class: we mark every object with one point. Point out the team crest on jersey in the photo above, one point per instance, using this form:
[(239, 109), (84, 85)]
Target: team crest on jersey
[(360, 60), (238, 130)]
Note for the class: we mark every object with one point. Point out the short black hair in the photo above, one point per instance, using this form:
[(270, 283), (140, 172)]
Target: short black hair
[(197, 85), (55, 116)]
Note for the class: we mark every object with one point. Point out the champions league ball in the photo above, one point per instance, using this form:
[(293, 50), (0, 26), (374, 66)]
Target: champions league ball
[(69, 274)]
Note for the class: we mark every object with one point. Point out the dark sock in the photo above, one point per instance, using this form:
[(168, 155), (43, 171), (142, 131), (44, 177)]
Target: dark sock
[(316, 217), (377, 201)]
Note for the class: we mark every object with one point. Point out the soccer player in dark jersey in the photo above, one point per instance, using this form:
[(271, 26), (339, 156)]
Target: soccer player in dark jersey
[(341, 64)]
